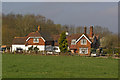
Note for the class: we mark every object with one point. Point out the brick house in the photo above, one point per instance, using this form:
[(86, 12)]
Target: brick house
[(39, 39), (82, 43), (77, 43)]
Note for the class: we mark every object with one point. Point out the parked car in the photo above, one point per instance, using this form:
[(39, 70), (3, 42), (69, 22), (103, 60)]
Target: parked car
[(94, 54), (19, 50), (49, 52), (56, 53)]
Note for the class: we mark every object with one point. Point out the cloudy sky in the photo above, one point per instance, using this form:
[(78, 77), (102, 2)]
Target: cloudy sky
[(76, 13)]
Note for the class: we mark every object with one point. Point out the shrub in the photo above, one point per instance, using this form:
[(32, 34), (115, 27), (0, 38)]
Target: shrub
[(92, 50), (30, 48), (36, 49)]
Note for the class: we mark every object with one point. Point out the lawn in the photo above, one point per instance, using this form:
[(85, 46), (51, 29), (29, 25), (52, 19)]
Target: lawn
[(37, 66)]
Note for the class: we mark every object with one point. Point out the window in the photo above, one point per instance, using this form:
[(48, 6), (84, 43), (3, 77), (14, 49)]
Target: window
[(83, 50), (83, 41), (73, 41), (36, 40)]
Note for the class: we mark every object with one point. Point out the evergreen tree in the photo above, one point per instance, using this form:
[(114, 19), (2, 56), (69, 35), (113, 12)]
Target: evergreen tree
[(63, 45)]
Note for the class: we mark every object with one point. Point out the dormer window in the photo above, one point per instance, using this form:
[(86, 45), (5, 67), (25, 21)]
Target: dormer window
[(73, 42), (83, 41), (36, 40)]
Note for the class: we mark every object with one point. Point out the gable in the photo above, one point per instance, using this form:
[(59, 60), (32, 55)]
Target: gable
[(71, 37), (30, 41), (44, 35), (35, 37), (84, 37)]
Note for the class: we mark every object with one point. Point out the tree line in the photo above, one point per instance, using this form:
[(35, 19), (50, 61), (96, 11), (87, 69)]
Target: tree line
[(21, 25)]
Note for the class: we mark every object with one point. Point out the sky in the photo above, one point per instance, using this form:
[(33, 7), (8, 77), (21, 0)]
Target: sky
[(72, 13), (59, 0)]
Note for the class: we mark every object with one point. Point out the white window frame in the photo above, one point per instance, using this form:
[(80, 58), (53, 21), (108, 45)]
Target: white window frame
[(84, 42), (35, 41), (73, 40), (80, 50)]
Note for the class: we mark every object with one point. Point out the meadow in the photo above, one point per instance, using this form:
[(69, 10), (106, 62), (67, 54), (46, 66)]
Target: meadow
[(37, 66)]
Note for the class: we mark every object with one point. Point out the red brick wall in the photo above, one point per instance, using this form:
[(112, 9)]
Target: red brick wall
[(78, 45)]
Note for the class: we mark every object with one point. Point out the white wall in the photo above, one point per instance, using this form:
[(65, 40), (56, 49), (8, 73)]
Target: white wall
[(14, 47)]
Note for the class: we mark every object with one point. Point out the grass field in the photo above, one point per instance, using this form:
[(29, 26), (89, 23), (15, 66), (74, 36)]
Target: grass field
[(36, 66)]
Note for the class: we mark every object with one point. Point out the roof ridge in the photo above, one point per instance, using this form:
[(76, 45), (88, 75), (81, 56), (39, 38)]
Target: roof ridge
[(33, 33)]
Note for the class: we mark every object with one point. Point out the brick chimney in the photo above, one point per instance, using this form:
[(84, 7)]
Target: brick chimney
[(85, 29), (91, 31)]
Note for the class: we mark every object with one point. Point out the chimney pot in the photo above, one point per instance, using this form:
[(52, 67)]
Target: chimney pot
[(85, 29), (91, 31)]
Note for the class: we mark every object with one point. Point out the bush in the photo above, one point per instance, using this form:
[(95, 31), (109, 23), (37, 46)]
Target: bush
[(107, 51), (30, 48), (36, 49), (33, 49), (92, 50), (111, 51)]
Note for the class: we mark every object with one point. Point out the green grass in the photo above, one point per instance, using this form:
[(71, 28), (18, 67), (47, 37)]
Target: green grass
[(36, 66)]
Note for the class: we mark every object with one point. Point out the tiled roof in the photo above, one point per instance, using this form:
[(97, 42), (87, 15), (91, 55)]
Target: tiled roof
[(19, 40), (48, 37), (22, 40), (69, 38), (72, 36), (45, 35), (34, 34)]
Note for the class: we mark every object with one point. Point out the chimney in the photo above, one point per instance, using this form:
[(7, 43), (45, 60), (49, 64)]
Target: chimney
[(91, 31), (85, 29)]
